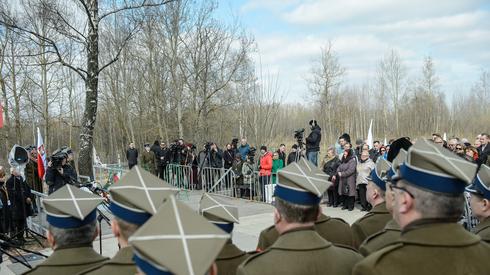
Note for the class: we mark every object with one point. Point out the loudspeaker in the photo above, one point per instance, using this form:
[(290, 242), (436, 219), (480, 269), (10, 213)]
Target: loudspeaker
[(19, 155)]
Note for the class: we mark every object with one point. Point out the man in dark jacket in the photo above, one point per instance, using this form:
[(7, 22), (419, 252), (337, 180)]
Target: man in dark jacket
[(162, 156), (313, 142), (19, 195), (293, 154), (282, 154), (484, 149), (132, 155)]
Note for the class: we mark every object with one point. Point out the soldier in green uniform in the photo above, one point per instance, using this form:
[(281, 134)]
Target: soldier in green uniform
[(224, 216), (135, 198), (428, 202), (177, 240), (391, 232), (71, 214), (334, 230), (480, 202), (299, 248), (148, 159), (378, 216)]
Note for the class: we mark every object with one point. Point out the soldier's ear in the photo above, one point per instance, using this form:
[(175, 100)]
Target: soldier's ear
[(485, 205), (115, 228), (213, 270), (277, 216), (405, 203), (50, 239)]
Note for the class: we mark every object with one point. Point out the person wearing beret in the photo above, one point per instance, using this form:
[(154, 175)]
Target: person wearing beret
[(71, 215), (177, 241), (391, 232), (378, 216), (480, 202), (224, 216), (134, 199), (299, 248), (428, 200)]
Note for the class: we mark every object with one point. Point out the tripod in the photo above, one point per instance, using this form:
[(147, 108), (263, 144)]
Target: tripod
[(22, 260), (101, 217)]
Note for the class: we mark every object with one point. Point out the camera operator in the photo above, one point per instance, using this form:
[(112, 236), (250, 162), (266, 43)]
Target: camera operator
[(56, 175), (69, 168), (177, 151), (19, 195), (313, 142), (216, 156)]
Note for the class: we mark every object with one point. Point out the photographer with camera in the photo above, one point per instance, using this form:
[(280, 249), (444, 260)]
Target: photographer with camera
[(313, 142), (56, 174), (69, 167)]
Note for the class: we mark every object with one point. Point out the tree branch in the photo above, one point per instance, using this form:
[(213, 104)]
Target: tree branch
[(143, 4), (121, 47)]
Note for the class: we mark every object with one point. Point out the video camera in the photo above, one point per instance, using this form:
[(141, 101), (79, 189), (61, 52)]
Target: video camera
[(299, 135), (234, 143), (57, 159), (251, 154)]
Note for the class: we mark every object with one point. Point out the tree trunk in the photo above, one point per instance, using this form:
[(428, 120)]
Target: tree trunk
[(91, 95)]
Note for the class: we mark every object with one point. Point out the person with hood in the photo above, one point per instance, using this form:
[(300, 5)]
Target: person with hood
[(265, 169), (313, 142), (346, 173)]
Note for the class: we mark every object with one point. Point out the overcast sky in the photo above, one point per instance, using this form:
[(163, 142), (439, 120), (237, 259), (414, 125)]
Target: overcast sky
[(290, 33)]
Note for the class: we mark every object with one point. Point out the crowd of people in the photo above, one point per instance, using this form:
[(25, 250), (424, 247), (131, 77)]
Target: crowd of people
[(416, 193)]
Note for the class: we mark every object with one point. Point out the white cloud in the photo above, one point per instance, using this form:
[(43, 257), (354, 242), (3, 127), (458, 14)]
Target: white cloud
[(331, 11)]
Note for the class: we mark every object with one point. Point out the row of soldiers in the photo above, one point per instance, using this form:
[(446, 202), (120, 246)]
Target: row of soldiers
[(412, 228)]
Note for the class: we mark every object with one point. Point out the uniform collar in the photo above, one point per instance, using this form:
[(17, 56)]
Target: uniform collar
[(437, 232), (380, 209), (305, 238), (230, 251), (482, 225), (392, 225), (73, 256), (323, 218)]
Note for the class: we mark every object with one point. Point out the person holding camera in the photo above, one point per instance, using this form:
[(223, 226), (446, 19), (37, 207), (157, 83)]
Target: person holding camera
[(19, 195), (69, 167), (313, 142), (56, 174)]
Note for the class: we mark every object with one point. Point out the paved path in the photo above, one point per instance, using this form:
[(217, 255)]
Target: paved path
[(253, 218)]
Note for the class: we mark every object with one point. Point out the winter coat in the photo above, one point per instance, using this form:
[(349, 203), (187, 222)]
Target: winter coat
[(32, 176), (244, 150), (266, 164), (313, 140), (132, 156), (4, 210), (282, 156), (162, 157), (18, 192), (292, 157), (148, 161), (330, 166), (229, 157), (347, 177), (277, 165), (364, 169), (216, 158)]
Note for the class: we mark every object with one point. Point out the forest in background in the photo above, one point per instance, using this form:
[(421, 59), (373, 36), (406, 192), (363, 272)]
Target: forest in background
[(170, 69)]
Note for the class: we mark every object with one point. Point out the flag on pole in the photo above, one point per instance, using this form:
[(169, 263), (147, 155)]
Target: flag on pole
[(370, 135), (444, 137), (41, 156), (385, 143)]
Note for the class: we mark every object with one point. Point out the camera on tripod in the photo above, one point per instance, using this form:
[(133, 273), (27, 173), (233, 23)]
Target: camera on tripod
[(299, 135)]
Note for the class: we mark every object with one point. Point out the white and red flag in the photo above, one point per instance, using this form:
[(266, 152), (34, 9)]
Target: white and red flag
[(41, 155)]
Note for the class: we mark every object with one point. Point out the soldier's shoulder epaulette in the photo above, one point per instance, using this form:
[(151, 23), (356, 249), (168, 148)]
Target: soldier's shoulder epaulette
[(363, 218), (254, 255), (374, 236), (268, 229), (340, 220)]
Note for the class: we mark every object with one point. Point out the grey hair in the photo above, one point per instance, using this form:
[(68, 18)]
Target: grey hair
[(73, 237), (436, 205)]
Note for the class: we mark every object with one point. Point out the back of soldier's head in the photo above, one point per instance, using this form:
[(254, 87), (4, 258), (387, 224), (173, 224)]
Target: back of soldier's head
[(73, 237)]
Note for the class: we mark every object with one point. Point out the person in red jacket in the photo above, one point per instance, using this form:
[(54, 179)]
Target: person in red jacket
[(265, 170)]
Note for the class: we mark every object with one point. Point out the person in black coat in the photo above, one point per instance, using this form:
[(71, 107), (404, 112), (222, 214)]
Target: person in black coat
[(282, 154), (483, 149), (293, 154), (313, 142), (229, 156), (19, 195), (163, 159), (132, 155), (4, 199), (329, 167)]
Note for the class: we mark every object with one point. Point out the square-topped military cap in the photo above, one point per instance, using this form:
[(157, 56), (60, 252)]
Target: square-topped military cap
[(436, 169), (301, 183), (138, 195), (481, 183), (70, 207), (399, 159), (380, 172), (218, 212), (177, 240)]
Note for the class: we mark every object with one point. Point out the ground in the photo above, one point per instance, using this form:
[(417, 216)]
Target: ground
[(253, 218)]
